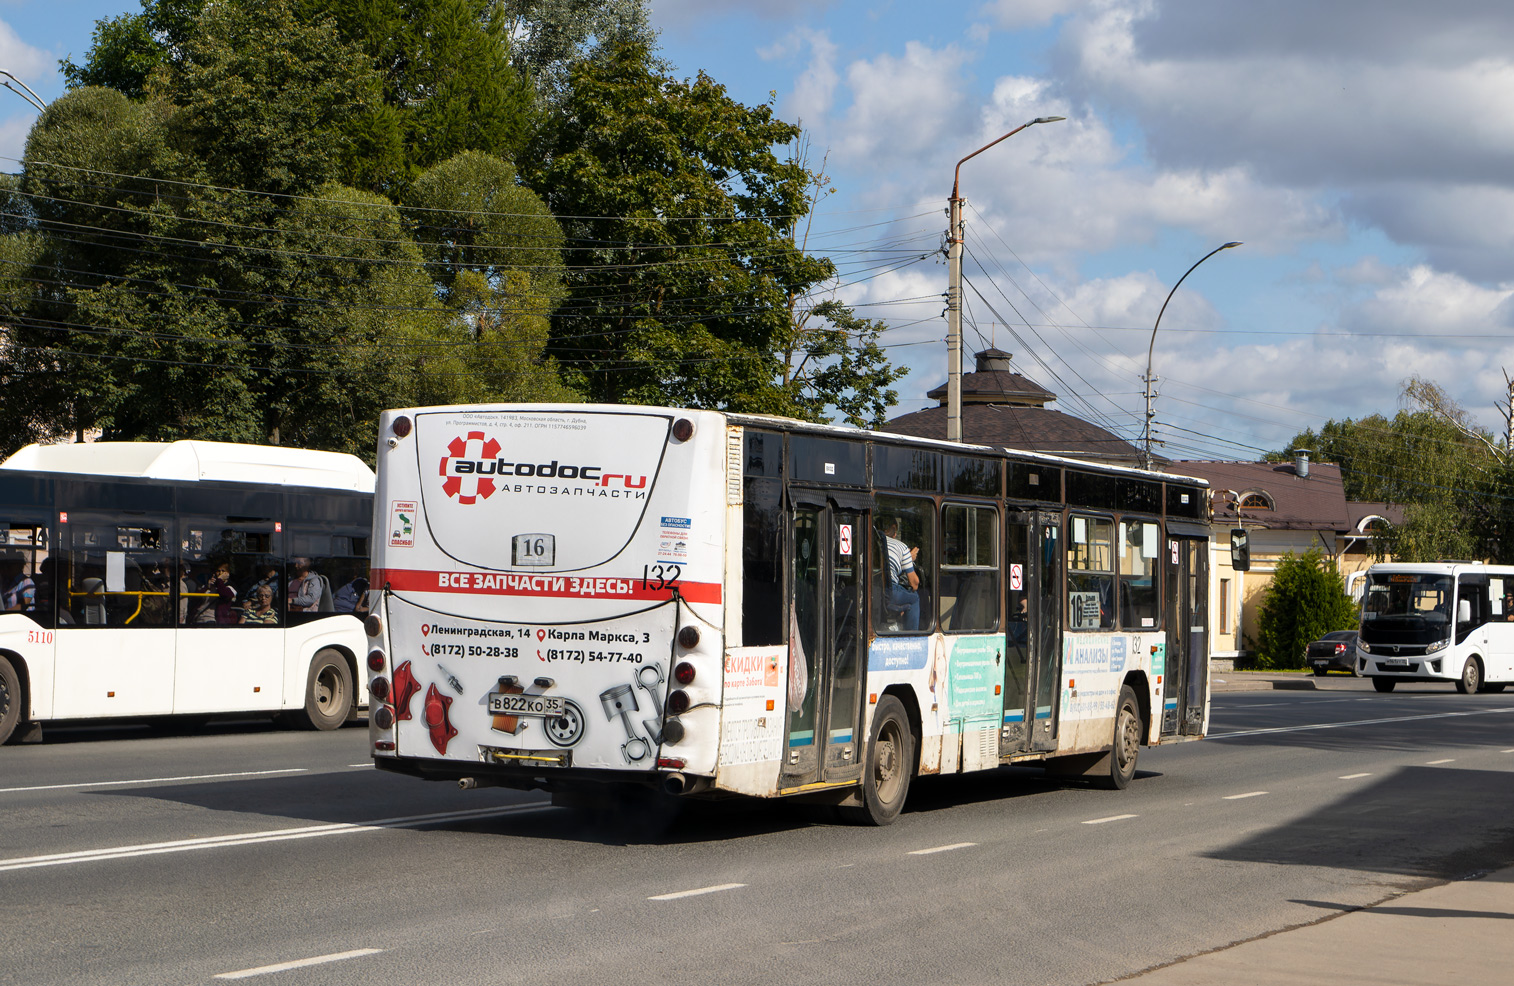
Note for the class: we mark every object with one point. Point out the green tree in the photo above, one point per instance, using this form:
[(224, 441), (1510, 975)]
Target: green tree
[(194, 267), (447, 71), (1451, 477), (1305, 600), (551, 35), (681, 260)]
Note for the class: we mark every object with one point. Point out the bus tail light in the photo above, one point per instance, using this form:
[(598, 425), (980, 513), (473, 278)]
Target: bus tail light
[(683, 429), (379, 687), (383, 718), (373, 626), (375, 661), (684, 673), (672, 732), (386, 746), (401, 426), (678, 702), (688, 637)]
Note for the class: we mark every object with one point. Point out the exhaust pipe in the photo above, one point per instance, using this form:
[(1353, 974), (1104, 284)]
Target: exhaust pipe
[(675, 783)]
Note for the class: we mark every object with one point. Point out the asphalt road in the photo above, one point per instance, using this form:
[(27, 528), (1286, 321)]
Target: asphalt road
[(128, 855)]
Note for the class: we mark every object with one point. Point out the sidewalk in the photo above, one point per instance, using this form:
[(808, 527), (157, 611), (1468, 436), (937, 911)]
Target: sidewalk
[(1255, 681), (1460, 933)]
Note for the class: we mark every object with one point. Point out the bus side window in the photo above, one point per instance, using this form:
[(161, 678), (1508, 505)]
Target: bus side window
[(1140, 544), (969, 567), (1090, 573), (904, 540)]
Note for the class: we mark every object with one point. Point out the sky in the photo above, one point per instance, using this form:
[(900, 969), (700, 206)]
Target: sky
[(1361, 150)]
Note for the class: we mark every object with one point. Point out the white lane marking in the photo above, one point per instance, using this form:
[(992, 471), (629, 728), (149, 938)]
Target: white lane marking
[(1359, 722), (954, 845), (368, 764), (1431, 763), (695, 893), (1248, 794), (264, 970), (157, 780), (1506, 751), (1111, 818), (1352, 777), (255, 838)]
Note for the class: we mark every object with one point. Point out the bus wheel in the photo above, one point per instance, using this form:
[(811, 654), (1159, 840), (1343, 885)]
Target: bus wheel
[(890, 762), (1127, 742), (10, 700), (1471, 677), (1383, 684), (328, 691)]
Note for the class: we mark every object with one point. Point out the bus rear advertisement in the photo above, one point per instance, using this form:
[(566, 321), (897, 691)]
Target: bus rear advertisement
[(709, 603)]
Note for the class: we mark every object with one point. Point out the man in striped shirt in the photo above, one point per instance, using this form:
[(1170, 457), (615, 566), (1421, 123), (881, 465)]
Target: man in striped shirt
[(903, 589)]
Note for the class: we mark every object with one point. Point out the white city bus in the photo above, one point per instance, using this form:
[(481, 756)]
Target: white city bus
[(1438, 621), (109, 557), (705, 603)]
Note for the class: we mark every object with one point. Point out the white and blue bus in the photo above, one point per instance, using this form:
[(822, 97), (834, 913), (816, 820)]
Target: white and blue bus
[(187, 579), (716, 604)]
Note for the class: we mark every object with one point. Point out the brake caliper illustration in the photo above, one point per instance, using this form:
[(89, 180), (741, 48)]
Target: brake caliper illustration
[(436, 708), (404, 689)]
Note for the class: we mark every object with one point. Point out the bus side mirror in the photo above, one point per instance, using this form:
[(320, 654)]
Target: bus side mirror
[(1240, 550), (1464, 611)]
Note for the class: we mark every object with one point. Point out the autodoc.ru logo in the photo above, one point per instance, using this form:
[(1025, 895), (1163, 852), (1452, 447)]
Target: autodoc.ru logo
[(473, 467)]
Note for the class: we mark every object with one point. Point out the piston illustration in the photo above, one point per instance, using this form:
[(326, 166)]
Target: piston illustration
[(653, 684), (621, 701)]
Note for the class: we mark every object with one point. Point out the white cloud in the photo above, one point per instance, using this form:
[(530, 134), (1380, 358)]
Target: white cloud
[(1404, 111), (1426, 302), (21, 59), (1016, 14), (814, 90), (684, 13), (901, 105)]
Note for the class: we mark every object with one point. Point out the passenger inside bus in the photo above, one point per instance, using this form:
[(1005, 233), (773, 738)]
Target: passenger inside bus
[(260, 610), (902, 584), (19, 591)]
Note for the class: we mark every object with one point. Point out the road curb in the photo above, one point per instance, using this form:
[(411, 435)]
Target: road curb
[(1303, 684)]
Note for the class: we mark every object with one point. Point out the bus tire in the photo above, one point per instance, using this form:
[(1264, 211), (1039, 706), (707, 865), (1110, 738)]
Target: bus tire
[(1383, 684), (1126, 746), (10, 700), (886, 772), (1471, 677), (328, 691)]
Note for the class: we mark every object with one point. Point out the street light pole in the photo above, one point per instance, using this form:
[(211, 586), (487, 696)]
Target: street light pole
[(1146, 430), (954, 288), (25, 92)]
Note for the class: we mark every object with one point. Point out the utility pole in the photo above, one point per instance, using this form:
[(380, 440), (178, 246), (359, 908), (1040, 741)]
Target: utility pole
[(954, 287)]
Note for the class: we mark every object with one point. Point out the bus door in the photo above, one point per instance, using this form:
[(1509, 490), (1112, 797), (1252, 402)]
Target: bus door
[(1185, 685), (1033, 634), (115, 636), (828, 545)]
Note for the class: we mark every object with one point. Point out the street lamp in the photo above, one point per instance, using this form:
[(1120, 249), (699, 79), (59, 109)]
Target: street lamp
[(1146, 430), (954, 288), (25, 92)]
